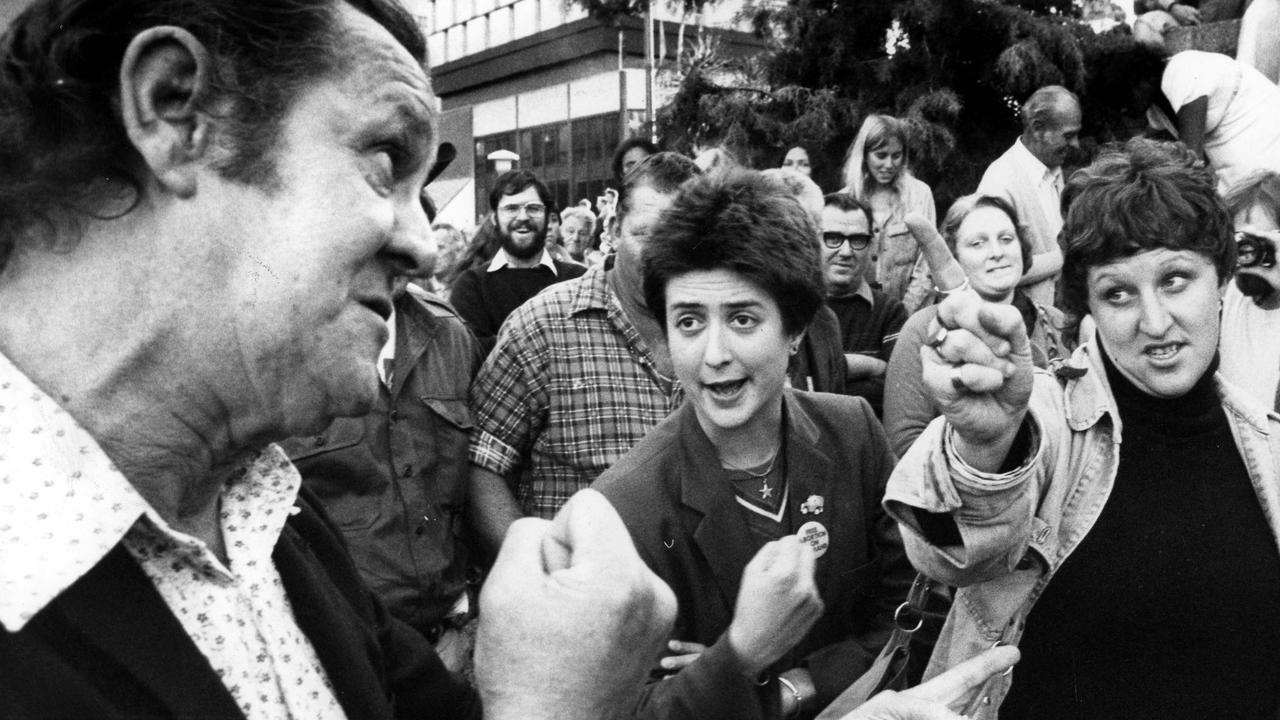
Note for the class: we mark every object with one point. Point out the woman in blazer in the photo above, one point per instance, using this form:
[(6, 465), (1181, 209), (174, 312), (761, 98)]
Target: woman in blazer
[(757, 504)]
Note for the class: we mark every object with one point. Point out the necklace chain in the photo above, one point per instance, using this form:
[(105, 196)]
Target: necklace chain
[(752, 473)]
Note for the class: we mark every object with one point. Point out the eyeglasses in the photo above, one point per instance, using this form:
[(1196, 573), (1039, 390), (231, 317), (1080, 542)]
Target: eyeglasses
[(533, 210), (834, 240)]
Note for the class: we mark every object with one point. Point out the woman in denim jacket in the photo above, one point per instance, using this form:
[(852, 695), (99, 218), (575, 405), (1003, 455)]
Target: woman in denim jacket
[(1136, 479)]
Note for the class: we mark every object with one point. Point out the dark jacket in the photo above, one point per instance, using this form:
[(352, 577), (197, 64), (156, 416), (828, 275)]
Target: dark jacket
[(395, 481), (485, 298), (108, 647), (692, 533), (820, 364)]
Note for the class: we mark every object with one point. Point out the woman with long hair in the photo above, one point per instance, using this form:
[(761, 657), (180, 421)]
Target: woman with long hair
[(878, 173)]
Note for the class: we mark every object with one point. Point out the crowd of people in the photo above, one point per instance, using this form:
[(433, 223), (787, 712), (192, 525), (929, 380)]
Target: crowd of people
[(272, 445)]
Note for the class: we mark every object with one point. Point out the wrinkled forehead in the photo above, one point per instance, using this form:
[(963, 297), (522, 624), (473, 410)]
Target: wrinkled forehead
[(845, 221), (985, 220), (1065, 116), (374, 62)]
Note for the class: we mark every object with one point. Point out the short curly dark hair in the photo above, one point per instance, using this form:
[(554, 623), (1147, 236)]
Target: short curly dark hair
[(738, 220), (514, 182), (626, 146), (61, 130), (1139, 196)]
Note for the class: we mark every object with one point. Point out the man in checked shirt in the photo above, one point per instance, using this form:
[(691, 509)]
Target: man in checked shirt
[(579, 373)]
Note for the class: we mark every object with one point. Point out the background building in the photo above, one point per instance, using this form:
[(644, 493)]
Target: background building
[(541, 79)]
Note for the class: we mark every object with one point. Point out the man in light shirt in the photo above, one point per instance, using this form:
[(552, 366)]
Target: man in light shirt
[(1029, 177)]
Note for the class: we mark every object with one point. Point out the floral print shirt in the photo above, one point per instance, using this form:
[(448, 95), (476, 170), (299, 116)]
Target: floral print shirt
[(64, 506)]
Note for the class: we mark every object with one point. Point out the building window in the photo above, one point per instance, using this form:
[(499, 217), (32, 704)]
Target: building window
[(500, 26), (442, 11), (477, 35), (526, 17), (571, 158), (436, 53), (455, 43)]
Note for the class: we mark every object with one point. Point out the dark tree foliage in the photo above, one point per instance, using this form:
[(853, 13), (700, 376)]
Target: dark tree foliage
[(958, 73)]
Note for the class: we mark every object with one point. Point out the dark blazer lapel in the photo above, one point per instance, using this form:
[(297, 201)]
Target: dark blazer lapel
[(721, 533), (116, 607), (415, 326), (810, 471), (325, 616)]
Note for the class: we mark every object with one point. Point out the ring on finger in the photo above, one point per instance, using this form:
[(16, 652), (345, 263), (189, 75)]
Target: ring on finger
[(956, 381), (938, 337)]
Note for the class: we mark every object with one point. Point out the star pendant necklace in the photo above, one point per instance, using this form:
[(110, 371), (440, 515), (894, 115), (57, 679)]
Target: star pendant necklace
[(765, 490)]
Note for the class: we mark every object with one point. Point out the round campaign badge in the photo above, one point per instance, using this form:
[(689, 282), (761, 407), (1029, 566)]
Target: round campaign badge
[(815, 535)]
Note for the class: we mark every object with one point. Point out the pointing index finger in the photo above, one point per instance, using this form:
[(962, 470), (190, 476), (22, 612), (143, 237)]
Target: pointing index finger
[(958, 683)]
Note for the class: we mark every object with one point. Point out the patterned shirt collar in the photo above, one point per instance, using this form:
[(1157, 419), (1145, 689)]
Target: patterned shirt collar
[(502, 259), (63, 503), (592, 291)]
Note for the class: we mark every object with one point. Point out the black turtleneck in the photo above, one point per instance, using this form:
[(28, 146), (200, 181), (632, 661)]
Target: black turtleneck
[(1168, 608)]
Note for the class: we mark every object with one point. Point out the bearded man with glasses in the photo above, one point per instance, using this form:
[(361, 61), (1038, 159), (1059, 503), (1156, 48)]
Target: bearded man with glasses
[(869, 320)]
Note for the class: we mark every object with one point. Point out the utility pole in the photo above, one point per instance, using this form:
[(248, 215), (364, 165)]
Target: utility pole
[(649, 124), (622, 88)]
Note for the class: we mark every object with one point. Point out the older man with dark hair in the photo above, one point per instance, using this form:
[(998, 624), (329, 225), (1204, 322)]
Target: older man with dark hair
[(869, 320), (204, 206), (1029, 177)]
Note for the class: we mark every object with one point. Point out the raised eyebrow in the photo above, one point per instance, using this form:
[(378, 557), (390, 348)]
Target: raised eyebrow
[(413, 122), (688, 306)]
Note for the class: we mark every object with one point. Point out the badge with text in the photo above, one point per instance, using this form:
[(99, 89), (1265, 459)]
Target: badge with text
[(814, 504), (815, 535)]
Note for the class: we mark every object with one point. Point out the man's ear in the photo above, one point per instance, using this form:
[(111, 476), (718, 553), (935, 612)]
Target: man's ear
[(163, 80)]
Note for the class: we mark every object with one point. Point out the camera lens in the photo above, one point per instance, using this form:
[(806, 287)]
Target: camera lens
[(1248, 250)]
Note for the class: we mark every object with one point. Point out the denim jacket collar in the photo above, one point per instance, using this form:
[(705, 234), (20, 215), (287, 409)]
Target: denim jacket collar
[(1088, 397)]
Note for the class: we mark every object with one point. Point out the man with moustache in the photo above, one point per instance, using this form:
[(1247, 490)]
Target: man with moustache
[(869, 320), (1029, 177), (522, 267)]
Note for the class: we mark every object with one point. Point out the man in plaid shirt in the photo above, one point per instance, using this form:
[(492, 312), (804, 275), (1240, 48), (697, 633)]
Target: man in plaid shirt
[(579, 374)]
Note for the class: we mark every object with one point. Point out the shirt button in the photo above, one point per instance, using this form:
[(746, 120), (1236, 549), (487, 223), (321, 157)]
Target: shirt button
[(395, 415), (408, 471), (321, 440)]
